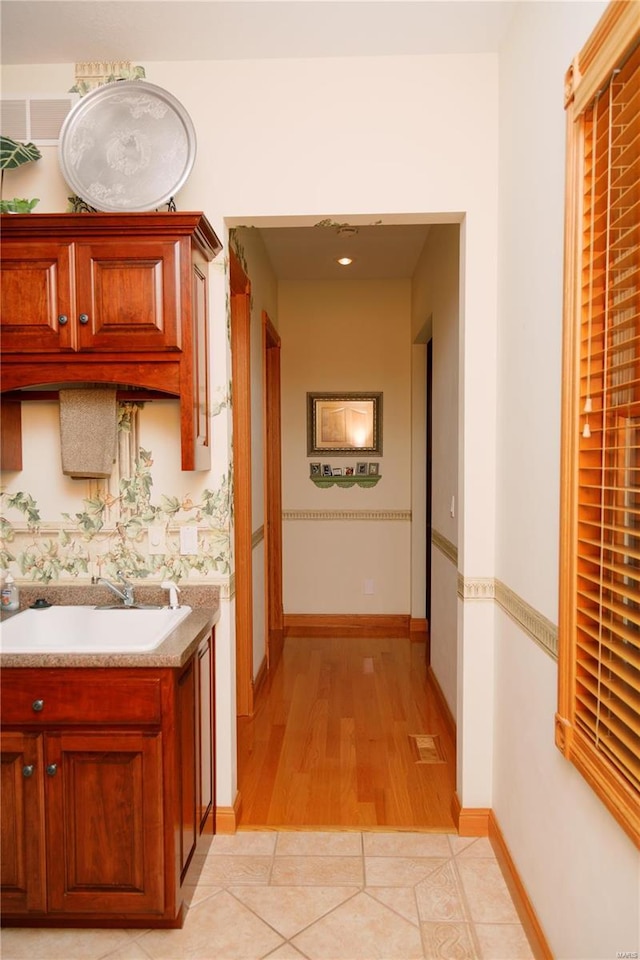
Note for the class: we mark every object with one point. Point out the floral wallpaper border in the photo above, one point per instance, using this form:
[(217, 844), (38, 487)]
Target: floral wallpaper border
[(110, 530)]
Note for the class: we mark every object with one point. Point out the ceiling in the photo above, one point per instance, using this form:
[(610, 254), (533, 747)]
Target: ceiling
[(66, 31), (69, 31), (311, 253)]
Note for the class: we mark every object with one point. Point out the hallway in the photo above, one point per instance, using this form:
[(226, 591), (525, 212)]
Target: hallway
[(330, 742)]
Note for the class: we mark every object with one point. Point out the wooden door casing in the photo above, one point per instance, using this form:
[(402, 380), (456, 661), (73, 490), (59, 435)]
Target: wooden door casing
[(241, 379)]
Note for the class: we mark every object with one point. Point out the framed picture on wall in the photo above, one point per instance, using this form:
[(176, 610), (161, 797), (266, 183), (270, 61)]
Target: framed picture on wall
[(344, 423)]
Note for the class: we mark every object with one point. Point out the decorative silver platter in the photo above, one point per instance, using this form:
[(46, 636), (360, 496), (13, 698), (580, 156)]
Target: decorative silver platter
[(127, 146)]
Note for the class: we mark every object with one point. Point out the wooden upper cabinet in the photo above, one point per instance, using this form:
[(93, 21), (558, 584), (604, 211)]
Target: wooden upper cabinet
[(111, 298), (105, 295)]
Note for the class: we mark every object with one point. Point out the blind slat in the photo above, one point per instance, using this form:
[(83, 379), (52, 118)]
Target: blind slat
[(623, 669), (614, 645), (615, 706), (620, 734)]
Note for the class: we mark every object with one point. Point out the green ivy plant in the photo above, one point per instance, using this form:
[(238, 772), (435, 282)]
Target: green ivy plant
[(14, 154)]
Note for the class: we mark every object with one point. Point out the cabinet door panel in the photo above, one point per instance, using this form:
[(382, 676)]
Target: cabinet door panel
[(206, 745), (22, 845), (35, 297), (187, 832), (128, 291), (105, 818)]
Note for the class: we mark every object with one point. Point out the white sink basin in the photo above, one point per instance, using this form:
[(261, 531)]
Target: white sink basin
[(88, 630)]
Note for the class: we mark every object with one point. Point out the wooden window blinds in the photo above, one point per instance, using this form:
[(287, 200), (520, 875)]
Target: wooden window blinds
[(598, 720)]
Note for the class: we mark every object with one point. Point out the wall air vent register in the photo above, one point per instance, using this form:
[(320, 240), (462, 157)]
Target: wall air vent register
[(35, 119)]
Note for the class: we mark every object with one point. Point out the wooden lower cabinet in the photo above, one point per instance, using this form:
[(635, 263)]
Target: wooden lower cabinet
[(100, 820)]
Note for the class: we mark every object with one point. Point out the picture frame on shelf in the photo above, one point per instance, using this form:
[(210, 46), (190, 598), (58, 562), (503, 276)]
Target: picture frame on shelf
[(361, 469), (374, 469), (348, 471), (315, 469), (337, 472), (326, 470)]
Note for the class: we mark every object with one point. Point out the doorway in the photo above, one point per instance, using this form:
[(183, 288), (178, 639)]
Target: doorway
[(248, 737)]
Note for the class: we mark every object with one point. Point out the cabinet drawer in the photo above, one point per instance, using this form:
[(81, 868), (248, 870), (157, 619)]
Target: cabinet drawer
[(50, 696)]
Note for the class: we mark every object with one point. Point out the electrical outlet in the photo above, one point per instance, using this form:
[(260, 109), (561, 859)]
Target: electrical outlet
[(157, 539), (188, 541), (368, 588)]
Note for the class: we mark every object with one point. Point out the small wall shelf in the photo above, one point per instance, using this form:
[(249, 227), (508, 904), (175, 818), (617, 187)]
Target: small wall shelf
[(368, 481)]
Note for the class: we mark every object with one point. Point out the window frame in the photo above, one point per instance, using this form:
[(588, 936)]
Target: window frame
[(615, 35)]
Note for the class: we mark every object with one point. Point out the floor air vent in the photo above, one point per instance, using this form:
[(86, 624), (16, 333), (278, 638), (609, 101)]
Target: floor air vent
[(427, 748)]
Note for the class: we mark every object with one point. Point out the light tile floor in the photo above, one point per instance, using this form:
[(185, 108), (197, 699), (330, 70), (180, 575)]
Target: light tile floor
[(320, 896)]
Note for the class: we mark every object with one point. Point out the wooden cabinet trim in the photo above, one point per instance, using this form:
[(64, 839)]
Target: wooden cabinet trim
[(150, 744)]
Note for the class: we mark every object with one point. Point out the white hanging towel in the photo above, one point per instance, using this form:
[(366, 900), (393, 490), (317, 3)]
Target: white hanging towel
[(88, 431)]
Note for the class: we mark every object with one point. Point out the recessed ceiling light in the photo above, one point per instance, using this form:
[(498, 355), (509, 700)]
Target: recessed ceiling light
[(344, 261)]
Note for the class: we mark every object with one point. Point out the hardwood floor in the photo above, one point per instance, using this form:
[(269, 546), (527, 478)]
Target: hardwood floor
[(329, 743)]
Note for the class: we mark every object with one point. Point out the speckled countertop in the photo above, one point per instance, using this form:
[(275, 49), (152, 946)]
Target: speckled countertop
[(174, 651)]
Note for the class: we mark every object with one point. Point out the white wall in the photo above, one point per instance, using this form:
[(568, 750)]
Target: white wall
[(398, 147), (346, 336), (435, 301), (580, 869), (418, 136)]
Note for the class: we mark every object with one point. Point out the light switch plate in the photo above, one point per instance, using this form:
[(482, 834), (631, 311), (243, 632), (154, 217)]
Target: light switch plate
[(188, 541), (157, 539)]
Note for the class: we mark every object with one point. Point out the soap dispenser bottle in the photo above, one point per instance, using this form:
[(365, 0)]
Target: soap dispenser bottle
[(10, 597)]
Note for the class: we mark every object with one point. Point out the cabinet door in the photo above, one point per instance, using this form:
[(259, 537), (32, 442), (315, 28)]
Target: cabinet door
[(22, 845), (35, 297), (128, 294), (105, 823)]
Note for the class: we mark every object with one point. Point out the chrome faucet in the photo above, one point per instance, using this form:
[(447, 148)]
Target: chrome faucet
[(125, 594)]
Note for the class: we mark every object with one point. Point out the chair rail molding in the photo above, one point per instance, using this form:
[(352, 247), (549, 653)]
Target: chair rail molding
[(445, 546), (541, 630)]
